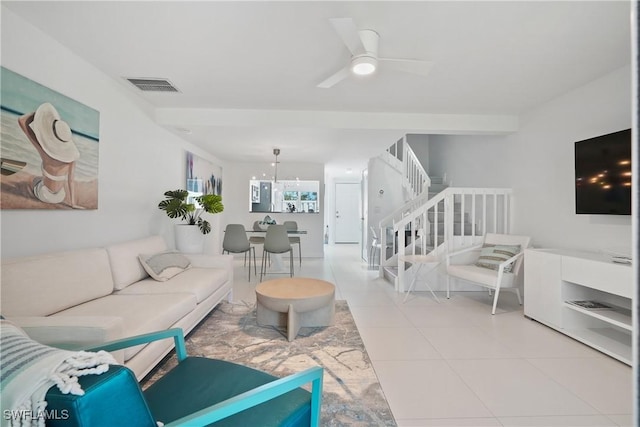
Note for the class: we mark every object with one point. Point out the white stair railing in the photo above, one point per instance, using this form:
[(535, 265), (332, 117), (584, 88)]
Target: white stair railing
[(414, 178), (402, 158), (455, 217)]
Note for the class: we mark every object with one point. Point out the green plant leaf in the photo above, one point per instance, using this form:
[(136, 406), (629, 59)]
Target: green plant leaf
[(175, 206), (211, 203), (204, 226), (177, 194)]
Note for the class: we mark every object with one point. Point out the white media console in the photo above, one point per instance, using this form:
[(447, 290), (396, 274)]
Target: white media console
[(555, 278)]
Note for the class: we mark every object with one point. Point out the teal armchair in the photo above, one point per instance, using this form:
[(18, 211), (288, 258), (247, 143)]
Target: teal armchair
[(197, 392)]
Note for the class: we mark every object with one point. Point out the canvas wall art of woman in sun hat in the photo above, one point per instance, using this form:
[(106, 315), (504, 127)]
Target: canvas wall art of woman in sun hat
[(52, 138)]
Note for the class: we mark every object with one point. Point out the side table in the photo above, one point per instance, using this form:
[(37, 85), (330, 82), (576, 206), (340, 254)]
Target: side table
[(429, 260)]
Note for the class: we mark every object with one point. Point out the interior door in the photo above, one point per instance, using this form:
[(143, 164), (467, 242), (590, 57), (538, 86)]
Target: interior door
[(347, 212)]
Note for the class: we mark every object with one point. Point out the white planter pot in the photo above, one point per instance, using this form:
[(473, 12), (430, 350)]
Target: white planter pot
[(189, 239)]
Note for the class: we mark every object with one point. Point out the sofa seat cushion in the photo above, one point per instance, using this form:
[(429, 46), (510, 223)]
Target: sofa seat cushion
[(224, 380), (140, 313), (481, 275), (201, 282)]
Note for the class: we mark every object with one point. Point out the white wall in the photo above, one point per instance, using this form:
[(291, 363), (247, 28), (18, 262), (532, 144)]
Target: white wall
[(538, 163), (386, 193), (138, 159), (236, 197)]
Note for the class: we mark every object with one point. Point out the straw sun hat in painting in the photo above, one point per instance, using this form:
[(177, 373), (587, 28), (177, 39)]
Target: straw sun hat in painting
[(54, 134)]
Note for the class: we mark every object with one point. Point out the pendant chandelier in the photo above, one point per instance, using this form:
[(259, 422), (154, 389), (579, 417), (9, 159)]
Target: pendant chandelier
[(276, 152)]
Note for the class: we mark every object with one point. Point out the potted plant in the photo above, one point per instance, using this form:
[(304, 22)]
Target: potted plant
[(176, 205)]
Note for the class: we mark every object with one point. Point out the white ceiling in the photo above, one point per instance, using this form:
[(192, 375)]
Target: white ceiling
[(236, 62)]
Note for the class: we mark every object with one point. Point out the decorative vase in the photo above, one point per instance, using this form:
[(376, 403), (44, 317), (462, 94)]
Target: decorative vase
[(189, 239)]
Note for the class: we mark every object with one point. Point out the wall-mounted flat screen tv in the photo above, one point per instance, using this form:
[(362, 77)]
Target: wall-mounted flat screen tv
[(603, 174)]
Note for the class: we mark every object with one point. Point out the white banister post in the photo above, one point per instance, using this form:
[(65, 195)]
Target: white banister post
[(401, 246), (484, 213), (506, 227), (436, 232), (473, 216), (495, 212), (448, 217), (383, 250)]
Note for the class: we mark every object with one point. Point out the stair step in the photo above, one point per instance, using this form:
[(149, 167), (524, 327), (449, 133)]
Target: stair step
[(436, 188), (390, 273)]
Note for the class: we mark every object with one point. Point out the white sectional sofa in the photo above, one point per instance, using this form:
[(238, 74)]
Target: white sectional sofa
[(84, 297)]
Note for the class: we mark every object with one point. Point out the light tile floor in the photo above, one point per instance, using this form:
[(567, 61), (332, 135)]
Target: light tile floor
[(454, 364)]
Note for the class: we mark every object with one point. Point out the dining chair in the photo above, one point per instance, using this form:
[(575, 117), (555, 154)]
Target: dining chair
[(375, 246), (276, 241), (235, 241), (293, 226), (257, 240)]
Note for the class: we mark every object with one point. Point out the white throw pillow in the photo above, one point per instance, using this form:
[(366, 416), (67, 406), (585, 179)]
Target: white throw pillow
[(164, 265)]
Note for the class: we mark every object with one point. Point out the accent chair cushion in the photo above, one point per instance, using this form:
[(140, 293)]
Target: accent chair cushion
[(223, 381), (164, 265), (480, 275), (492, 255)]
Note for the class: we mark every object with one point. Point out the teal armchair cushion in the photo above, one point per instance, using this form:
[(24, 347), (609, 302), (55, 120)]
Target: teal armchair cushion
[(224, 380), (110, 399)]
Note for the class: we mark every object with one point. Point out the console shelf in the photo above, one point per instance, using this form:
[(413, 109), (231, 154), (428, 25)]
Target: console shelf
[(609, 341), (616, 316), (555, 277)]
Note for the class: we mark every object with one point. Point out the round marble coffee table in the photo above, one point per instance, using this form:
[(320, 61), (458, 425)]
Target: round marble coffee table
[(295, 302)]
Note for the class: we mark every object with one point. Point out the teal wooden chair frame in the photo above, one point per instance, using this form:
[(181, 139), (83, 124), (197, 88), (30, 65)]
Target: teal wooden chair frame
[(237, 403)]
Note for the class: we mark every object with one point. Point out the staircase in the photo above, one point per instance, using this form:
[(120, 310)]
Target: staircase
[(436, 218)]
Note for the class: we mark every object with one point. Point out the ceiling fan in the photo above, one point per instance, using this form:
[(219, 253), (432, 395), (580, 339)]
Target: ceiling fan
[(363, 45)]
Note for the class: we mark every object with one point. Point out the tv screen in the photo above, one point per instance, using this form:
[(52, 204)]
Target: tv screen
[(603, 174)]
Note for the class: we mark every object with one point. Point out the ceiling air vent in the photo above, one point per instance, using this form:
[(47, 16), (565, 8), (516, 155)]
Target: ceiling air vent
[(153, 85)]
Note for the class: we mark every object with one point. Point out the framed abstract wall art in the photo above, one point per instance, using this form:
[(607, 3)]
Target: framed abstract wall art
[(202, 176), (49, 146)]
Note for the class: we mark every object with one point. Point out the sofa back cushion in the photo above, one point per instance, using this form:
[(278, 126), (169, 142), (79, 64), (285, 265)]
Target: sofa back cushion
[(125, 265), (45, 284)]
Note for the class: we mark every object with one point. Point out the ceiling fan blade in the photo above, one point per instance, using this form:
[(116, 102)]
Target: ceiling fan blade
[(348, 32), (412, 66), (335, 78)]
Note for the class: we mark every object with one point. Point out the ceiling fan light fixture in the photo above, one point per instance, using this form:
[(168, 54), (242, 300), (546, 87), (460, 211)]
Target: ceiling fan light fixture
[(364, 65)]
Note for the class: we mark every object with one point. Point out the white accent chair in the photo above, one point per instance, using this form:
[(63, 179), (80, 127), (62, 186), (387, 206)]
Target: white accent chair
[(497, 270)]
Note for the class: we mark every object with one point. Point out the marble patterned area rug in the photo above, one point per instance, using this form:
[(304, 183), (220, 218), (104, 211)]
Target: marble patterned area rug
[(352, 395)]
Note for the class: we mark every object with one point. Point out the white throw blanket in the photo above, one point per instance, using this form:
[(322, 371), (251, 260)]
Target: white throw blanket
[(28, 369)]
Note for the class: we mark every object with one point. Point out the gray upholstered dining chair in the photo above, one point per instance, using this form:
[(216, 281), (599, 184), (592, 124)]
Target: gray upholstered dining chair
[(256, 240), (293, 226), (235, 241), (276, 241)]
